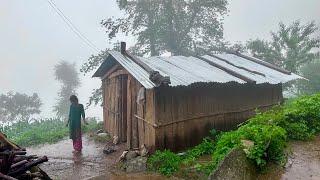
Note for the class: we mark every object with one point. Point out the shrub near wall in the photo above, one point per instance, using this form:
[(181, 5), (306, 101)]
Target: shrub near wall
[(269, 131)]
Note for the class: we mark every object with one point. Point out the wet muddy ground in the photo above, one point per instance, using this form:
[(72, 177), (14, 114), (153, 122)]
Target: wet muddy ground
[(303, 162), (63, 164)]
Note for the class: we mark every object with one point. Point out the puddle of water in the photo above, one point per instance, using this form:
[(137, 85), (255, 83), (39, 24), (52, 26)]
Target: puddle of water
[(63, 164)]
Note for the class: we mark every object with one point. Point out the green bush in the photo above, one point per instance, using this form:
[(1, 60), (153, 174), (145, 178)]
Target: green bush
[(306, 110), (269, 143), (214, 134), (40, 131), (224, 145), (164, 162), (297, 130), (298, 119), (93, 126), (207, 146)]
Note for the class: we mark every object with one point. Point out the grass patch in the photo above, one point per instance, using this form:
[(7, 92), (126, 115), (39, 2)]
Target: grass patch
[(298, 119), (41, 131), (101, 137), (165, 162)]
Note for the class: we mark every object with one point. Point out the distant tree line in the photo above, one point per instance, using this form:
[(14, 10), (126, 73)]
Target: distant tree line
[(195, 27), (16, 106)]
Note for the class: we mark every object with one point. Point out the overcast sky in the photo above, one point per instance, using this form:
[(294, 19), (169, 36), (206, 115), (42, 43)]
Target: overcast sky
[(33, 38)]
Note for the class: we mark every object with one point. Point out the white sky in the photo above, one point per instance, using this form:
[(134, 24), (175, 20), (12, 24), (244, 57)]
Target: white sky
[(33, 38)]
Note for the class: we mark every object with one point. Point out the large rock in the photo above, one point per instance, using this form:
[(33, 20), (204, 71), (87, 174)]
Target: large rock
[(131, 154), (138, 164), (235, 166)]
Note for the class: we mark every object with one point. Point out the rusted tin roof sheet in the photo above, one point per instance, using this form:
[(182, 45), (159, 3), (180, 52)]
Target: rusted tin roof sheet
[(188, 70)]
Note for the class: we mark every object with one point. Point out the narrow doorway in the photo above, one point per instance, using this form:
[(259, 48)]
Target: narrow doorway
[(116, 106)]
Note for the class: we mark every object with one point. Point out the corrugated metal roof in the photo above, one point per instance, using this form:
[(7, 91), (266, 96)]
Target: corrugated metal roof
[(188, 70), (271, 76)]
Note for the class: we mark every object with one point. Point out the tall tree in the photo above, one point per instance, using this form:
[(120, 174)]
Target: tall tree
[(311, 71), (291, 46), (68, 76), (178, 26), (19, 107)]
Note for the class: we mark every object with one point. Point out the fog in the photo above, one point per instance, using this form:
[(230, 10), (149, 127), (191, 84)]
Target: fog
[(34, 38)]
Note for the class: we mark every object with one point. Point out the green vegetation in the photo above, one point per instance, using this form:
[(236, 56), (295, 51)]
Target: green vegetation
[(165, 162), (298, 119), (100, 139), (41, 131), (204, 148)]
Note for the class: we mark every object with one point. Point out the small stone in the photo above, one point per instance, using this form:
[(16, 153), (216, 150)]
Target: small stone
[(143, 151), (131, 154), (102, 134), (181, 154), (123, 156), (108, 150), (115, 140), (100, 131), (247, 144)]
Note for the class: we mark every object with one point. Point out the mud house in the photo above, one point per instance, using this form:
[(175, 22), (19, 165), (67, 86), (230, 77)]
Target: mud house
[(173, 102)]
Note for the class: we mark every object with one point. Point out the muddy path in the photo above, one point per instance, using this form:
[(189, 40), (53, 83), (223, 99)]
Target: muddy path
[(303, 162), (63, 164)]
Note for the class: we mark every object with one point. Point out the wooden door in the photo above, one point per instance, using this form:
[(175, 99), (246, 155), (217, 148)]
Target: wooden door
[(115, 106), (135, 117)]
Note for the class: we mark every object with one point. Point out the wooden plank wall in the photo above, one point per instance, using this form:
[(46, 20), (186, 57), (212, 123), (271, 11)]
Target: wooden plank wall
[(132, 121), (150, 131), (140, 117), (186, 114)]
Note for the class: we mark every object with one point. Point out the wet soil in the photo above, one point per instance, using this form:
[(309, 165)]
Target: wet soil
[(303, 162), (64, 164)]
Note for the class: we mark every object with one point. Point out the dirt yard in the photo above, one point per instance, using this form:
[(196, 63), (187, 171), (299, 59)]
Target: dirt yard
[(303, 163), (63, 164)]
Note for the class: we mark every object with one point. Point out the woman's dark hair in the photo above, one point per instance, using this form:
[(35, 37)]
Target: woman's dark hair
[(74, 99)]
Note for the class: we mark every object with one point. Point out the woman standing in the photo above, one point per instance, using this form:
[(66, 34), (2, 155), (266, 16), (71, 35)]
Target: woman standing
[(74, 122)]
